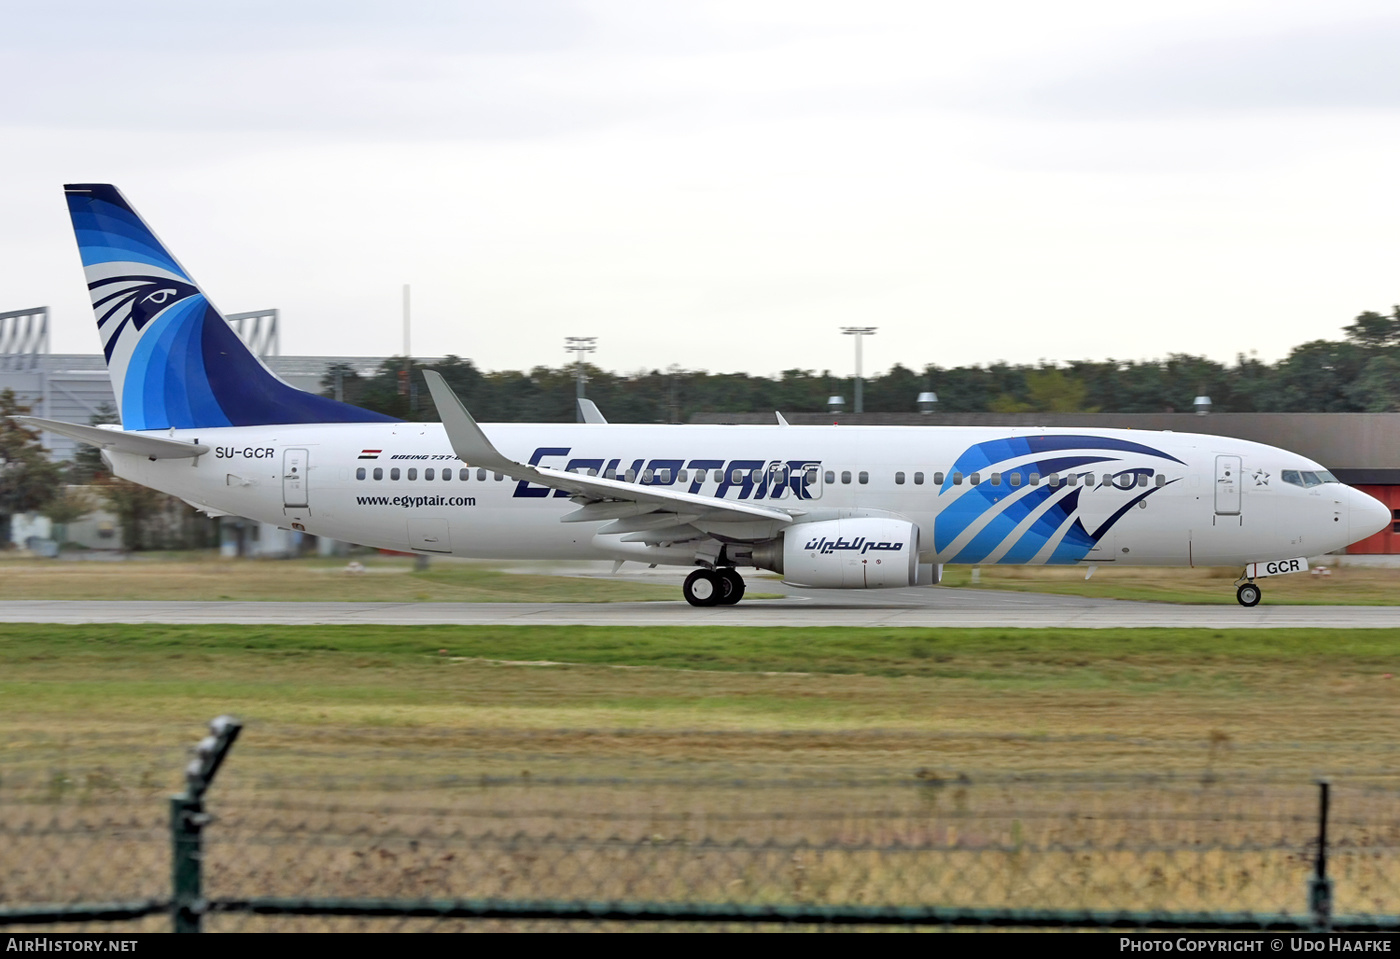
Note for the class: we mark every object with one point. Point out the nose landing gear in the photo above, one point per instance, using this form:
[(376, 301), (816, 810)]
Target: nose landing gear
[(713, 587), (1248, 594)]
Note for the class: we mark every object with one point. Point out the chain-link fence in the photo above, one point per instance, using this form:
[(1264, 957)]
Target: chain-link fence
[(692, 846)]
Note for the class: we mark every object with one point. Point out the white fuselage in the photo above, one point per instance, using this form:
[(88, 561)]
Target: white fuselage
[(1190, 500)]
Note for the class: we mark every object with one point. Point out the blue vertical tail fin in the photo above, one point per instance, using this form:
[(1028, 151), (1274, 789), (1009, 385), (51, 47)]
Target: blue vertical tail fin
[(173, 359)]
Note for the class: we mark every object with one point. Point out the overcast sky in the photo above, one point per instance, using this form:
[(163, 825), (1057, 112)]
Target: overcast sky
[(724, 185)]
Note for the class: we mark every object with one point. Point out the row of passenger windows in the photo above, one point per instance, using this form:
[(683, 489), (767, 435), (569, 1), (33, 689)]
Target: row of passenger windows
[(429, 473), (780, 476), (661, 476), (1017, 478)]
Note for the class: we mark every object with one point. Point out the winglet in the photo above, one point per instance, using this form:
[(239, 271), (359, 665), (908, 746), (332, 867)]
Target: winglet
[(590, 412), (471, 446), (468, 442), (782, 420)]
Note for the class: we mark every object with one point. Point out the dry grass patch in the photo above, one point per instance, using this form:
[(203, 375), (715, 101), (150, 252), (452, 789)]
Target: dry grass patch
[(1344, 586), (204, 577)]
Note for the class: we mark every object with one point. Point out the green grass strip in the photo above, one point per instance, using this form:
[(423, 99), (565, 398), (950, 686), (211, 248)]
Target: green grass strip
[(874, 651)]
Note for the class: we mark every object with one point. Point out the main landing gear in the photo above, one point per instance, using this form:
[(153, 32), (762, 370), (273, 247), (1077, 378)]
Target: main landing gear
[(713, 587), (1248, 594)]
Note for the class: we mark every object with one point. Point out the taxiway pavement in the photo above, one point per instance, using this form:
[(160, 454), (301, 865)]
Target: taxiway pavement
[(917, 607)]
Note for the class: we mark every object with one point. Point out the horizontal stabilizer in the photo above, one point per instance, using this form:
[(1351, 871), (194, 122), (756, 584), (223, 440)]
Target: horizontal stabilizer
[(154, 447)]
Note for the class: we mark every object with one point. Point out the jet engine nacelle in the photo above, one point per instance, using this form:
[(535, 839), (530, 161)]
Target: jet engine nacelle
[(863, 553)]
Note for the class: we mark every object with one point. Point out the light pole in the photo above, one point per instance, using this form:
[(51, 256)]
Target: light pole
[(859, 332), (579, 345), (407, 386), (6, 514)]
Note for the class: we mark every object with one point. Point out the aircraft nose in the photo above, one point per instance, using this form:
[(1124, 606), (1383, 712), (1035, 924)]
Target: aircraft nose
[(1368, 515)]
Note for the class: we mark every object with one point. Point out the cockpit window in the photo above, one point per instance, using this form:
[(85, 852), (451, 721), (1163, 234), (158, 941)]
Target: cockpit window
[(1307, 478)]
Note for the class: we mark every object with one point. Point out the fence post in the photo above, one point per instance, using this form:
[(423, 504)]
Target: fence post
[(1320, 887), (187, 822)]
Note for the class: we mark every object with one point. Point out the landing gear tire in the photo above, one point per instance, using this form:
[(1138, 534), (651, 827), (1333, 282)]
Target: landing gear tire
[(1249, 595), (704, 587), (731, 586)]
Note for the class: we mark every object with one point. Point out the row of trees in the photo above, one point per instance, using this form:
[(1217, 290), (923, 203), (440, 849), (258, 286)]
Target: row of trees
[(1357, 374), (31, 482)]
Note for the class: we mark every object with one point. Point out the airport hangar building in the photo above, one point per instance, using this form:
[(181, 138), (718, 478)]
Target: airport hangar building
[(1361, 449)]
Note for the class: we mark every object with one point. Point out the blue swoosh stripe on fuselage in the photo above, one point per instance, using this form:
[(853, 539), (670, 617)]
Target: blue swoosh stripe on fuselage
[(1002, 526), (1074, 547), (967, 508)]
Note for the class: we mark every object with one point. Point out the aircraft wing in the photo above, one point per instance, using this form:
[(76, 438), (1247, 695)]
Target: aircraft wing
[(629, 505), (154, 447)]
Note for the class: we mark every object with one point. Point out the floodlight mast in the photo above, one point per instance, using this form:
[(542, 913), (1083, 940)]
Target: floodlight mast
[(859, 332), (579, 345)]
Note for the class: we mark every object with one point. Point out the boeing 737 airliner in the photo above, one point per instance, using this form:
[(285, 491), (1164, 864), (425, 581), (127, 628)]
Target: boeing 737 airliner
[(843, 507)]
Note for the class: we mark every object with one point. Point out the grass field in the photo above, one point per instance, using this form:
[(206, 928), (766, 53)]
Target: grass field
[(961, 767), (989, 699), (1110, 769), (425, 699)]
